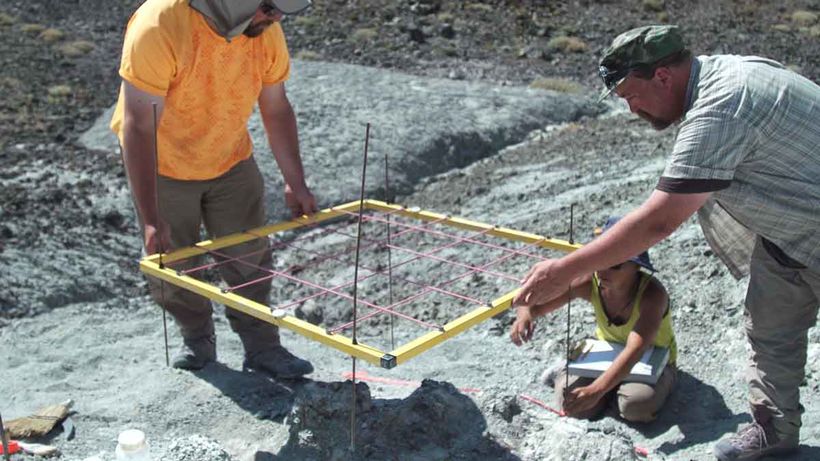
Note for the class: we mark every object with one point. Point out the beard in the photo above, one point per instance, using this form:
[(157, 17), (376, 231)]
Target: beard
[(656, 122), (256, 29)]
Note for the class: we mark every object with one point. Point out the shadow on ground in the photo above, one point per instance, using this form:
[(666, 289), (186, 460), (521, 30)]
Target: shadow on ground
[(255, 393), (435, 422), (699, 412)]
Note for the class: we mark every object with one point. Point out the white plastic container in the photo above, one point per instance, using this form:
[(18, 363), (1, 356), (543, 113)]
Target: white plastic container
[(131, 446)]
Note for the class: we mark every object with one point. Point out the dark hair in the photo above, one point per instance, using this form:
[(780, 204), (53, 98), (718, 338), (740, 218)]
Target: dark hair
[(647, 71)]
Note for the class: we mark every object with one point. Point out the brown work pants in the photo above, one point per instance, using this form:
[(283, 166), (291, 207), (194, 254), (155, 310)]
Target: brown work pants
[(781, 307), (637, 402), (225, 205)]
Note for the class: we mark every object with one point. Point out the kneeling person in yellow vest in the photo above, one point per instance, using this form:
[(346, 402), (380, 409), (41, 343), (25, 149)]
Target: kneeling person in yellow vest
[(631, 308)]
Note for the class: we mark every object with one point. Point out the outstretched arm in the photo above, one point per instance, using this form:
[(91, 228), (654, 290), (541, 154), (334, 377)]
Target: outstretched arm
[(524, 324), (283, 138), (650, 223)]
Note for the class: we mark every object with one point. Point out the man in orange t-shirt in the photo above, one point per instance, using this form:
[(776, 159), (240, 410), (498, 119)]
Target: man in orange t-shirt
[(204, 64)]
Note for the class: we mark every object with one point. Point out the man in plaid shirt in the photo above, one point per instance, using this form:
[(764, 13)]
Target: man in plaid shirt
[(747, 160)]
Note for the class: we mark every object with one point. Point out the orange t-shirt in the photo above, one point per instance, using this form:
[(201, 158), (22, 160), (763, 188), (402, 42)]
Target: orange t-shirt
[(210, 85)]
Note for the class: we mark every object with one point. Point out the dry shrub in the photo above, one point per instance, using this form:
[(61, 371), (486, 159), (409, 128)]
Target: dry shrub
[(6, 20), (76, 48), (782, 27), (365, 34), (663, 17), (445, 17), (814, 31), (804, 18), (653, 5), (307, 55), (51, 35), (482, 7), (567, 44), (306, 21), (60, 91), (561, 85), (32, 28)]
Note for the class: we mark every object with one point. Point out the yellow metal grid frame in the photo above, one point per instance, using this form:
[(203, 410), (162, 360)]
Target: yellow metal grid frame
[(151, 266)]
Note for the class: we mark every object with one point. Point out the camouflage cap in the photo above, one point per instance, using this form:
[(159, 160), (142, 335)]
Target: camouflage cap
[(634, 48)]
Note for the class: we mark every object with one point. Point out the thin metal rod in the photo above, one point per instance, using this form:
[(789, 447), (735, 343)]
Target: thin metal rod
[(356, 288), (159, 231), (359, 233), (353, 410), (389, 250), (569, 304)]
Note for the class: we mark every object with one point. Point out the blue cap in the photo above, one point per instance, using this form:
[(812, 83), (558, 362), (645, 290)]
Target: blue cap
[(643, 258)]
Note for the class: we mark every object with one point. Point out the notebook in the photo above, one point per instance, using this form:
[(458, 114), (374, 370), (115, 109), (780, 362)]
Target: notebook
[(592, 357)]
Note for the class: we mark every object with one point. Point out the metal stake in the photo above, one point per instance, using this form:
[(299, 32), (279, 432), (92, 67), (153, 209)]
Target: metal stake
[(159, 230), (569, 306), (389, 251), (356, 288)]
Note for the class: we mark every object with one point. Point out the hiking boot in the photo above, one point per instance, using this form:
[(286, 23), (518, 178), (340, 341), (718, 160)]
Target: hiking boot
[(277, 362), (195, 353), (752, 442)]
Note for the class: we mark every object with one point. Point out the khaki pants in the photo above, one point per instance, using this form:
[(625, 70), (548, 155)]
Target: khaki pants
[(781, 307), (637, 402), (225, 205)]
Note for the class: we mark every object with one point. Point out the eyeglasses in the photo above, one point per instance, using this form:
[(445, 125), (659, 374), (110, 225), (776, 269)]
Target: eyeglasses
[(611, 77), (269, 9)]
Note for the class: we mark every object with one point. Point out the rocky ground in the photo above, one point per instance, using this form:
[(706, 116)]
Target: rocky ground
[(68, 245)]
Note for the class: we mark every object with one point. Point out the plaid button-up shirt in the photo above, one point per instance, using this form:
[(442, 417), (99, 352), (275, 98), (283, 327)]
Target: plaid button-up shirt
[(751, 135)]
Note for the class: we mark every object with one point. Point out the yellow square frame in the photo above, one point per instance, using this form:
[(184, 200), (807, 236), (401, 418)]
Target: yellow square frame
[(150, 265)]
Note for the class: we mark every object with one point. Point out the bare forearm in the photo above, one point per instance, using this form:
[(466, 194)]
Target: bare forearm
[(631, 237), (623, 363), (140, 166), (283, 139)]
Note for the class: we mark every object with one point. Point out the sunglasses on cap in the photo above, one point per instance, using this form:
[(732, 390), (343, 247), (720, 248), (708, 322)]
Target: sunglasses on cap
[(612, 77)]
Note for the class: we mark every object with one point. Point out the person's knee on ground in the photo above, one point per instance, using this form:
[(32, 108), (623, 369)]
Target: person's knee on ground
[(636, 408)]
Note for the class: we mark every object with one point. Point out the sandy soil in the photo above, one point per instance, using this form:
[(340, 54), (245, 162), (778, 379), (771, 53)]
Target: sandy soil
[(77, 324)]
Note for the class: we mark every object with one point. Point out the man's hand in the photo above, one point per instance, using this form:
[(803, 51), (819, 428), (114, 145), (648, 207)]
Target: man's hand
[(300, 201), (156, 241), (544, 282), (582, 399), (523, 327)]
